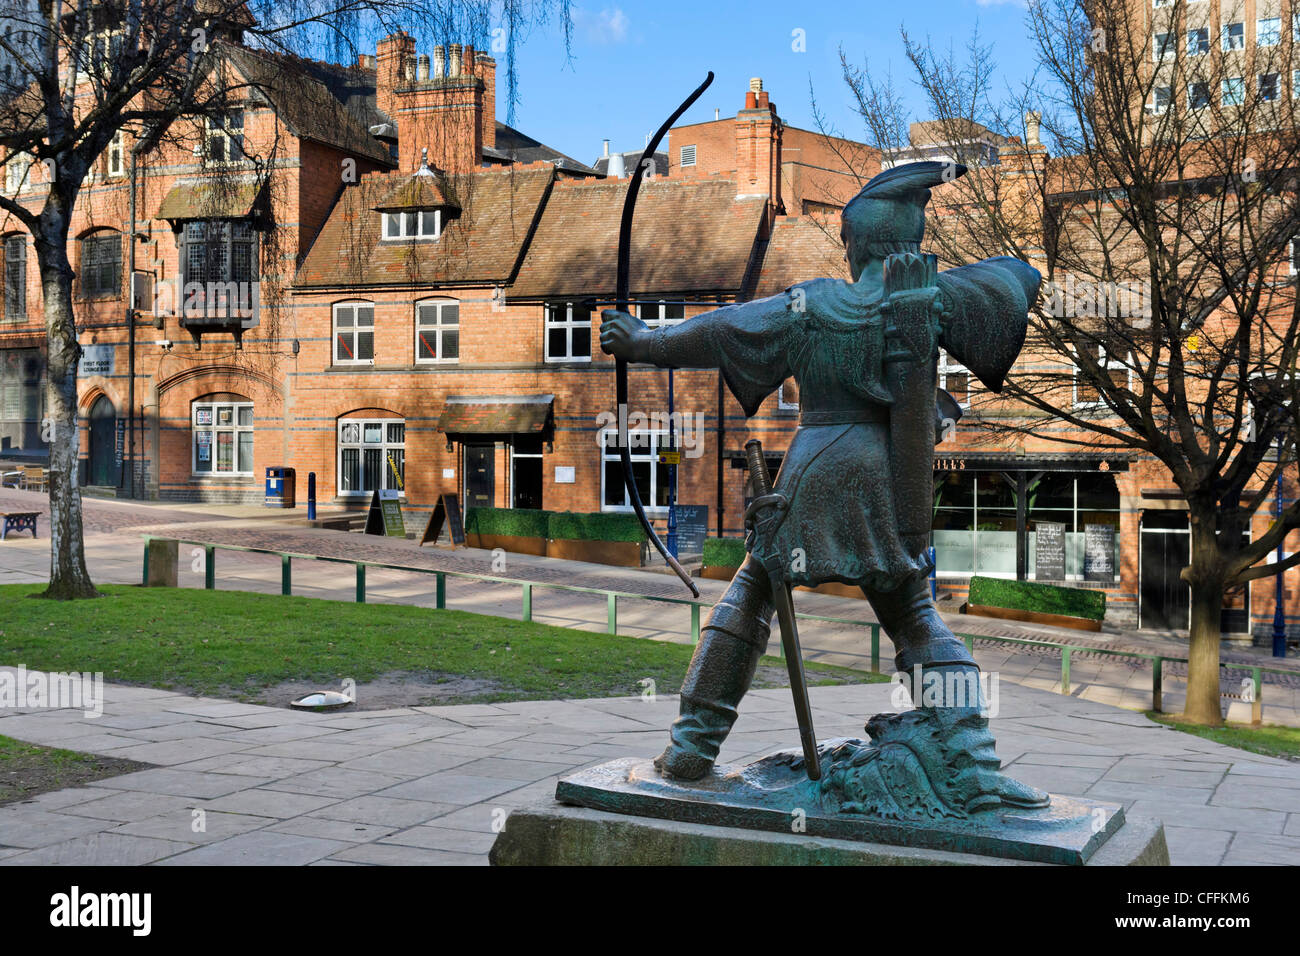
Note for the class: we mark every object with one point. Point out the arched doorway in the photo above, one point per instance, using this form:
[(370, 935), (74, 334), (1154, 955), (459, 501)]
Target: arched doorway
[(102, 468)]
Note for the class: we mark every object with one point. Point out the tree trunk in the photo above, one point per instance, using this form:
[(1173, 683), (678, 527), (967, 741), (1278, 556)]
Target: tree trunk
[(69, 578), (1205, 575)]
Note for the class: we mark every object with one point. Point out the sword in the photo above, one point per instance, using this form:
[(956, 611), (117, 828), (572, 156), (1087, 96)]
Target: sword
[(781, 597)]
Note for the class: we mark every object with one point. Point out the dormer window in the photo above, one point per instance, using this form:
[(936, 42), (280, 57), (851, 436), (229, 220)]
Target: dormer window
[(413, 224)]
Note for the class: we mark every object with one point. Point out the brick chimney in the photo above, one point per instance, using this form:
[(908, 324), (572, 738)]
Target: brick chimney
[(450, 111), (758, 149)]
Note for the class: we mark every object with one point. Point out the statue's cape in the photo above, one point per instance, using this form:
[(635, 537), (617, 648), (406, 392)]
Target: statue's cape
[(987, 314)]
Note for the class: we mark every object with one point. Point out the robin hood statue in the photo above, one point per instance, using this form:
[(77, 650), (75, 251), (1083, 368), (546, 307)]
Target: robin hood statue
[(852, 501)]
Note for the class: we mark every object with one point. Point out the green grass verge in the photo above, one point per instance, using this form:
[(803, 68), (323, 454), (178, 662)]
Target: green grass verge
[(724, 552), (1043, 598), (1271, 739), (29, 769), (234, 643)]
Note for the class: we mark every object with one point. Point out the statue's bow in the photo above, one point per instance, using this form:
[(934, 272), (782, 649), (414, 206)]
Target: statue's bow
[(622, 296)]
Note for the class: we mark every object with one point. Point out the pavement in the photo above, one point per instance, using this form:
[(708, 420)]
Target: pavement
[(235, 783)]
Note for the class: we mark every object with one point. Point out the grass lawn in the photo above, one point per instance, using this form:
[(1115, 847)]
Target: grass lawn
[(1271, 739), (237, 644), (27, 769)]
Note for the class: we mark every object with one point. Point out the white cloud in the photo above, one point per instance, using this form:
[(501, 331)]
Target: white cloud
[(605, 28)]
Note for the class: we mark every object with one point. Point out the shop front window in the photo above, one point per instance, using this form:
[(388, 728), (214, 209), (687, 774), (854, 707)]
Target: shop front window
[(372, 455), (222, 438)]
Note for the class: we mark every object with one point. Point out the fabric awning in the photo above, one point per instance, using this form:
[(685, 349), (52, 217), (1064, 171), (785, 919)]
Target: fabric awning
[(210, 201), (497, 415)]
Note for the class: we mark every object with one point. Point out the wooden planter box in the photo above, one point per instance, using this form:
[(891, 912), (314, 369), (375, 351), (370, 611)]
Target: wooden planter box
[(1033, 617), (507, 542), (718, 573), (624, 554)]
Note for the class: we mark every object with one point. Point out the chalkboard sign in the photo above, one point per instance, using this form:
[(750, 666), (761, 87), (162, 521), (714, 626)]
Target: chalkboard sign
[(1099, 552), (447, 509), (391, 508), (1049, 555), (692, 528)]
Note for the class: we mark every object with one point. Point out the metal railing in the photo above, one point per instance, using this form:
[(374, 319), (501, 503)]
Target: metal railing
[(1254, 695)]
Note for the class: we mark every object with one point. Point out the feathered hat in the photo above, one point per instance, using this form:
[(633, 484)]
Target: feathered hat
[(891, 208)]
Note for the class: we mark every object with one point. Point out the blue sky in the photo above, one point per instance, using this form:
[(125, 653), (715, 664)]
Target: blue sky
[(634, 61)]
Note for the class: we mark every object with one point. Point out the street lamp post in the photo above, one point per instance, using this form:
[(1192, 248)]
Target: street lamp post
[(1279, 618), (672, 472)]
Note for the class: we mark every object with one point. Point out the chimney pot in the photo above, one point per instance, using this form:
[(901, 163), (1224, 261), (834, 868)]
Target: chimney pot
[(453, 61), (423, 68), (439, 62), (751, 100), (606, 147), (756, 84)]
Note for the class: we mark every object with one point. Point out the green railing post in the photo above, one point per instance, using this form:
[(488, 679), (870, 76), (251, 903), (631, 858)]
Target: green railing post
[(875, 648), (528, 602), (286, 575), (144, 578), (1257, 700), (1065, 670), (969, 642), (209, 567), (1157, 685), (695, 624), (361, 583), (611, 604), (440, 591)]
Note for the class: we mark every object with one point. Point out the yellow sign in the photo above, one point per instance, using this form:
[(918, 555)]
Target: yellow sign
[(1193, 343), (670, 458)]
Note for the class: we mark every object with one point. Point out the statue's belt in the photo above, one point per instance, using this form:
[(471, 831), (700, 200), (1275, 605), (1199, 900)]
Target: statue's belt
[(868, 414)]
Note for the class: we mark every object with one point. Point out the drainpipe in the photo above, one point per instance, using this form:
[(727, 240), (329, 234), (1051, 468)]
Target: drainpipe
[(1279, 615), (147, 142)]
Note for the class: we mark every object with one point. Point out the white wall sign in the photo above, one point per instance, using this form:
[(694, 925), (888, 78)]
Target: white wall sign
[(564, 475), (449, 473), (96, 360)]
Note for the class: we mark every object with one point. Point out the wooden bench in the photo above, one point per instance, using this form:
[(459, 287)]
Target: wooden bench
[(18, 521), (340, 522)]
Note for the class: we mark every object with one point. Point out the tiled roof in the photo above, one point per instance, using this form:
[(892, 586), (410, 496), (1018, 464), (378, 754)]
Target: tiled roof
[(322, 102), (496, 415), (658, 163), (801, 248), (419, 192), (481, 245), (688, 235), (516, 147)]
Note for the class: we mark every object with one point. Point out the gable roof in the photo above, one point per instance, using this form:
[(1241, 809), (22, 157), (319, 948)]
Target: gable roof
[(516, 147), (328, 104), (688, 235), (481, 246)]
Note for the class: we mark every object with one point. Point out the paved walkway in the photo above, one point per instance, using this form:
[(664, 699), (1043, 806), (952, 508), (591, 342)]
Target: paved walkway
[(114, 551), (244, 784)]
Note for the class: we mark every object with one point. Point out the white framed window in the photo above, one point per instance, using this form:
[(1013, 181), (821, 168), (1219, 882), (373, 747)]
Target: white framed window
[(1161, 99), (1295, 84), (1234, 91), (1268, 31), (954, 378), (1086, 394), (1268, 87), (1234, 36), (650, 474), (1198, 41), (222, 442), (568, 332), (413, 224), (115, 160), (686, 156), (1163, 46), (372, 455), (655, 314), (1198, 96), (437, 331), (15, 250), (223, 137), (1295, 27), (16, 171), (787, 396), (354, 333), (1293, 256)]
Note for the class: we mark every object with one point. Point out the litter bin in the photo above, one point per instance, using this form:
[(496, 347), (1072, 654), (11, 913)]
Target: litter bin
[(280, 484)]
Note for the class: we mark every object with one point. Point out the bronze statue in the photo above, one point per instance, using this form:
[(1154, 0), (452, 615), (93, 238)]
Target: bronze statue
[(852, 501)]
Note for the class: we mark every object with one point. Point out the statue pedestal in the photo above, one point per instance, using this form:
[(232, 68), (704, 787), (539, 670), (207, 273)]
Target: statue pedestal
[(624, 813)]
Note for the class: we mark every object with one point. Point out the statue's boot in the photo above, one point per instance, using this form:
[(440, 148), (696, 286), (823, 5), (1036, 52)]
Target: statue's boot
[(922, 638), (719, 675), (722, 669), (955, 701)]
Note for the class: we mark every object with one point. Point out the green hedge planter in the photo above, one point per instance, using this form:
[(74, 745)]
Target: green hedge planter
[(596, 526), (599, 538), (1078, 608)]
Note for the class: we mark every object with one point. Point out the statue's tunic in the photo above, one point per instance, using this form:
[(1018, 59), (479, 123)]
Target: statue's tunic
[(828, 334)]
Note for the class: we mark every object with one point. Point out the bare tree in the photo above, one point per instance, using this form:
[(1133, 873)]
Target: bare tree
[(1150, 173), (84, 70)]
